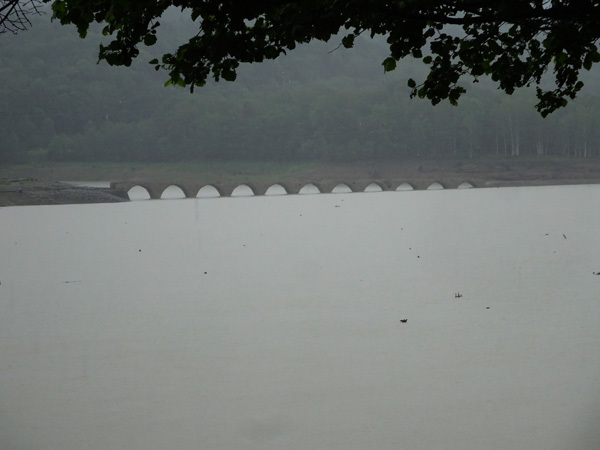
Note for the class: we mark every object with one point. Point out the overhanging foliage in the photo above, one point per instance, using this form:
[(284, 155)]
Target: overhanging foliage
[(515, 42)]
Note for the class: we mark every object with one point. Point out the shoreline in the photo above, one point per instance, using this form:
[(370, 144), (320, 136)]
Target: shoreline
[(36, 185), (31, 192), (39, 193)]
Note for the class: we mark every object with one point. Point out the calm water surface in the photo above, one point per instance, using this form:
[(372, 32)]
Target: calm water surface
[(274, 322)]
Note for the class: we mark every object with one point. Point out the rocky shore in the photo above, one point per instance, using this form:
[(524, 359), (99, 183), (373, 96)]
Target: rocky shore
[(28, 191)]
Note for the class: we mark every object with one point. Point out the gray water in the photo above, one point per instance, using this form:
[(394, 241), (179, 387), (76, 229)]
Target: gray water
[(274, 322)]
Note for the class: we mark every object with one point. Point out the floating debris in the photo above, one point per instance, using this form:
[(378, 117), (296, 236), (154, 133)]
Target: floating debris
[(564, 236), (457, 295), (72, 281), (403, 320)]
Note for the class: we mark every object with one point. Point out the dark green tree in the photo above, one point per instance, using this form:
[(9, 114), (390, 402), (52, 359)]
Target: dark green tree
[(515, 42), (55, 101)]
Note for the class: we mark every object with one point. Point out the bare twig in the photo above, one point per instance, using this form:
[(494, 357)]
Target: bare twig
[(14, 14)]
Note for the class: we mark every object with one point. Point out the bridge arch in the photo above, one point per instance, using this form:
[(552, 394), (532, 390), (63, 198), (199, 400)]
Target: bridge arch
[(310, 188), (436, 186), (173, 191), (243, 190), (465, 185), (277, 189), (405, 187), (138, 192), (209, 191), (341, 188), (373, 187)]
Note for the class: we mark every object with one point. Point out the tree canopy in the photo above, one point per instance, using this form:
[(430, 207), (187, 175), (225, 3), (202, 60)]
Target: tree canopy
[(309, 105), (517, 43)]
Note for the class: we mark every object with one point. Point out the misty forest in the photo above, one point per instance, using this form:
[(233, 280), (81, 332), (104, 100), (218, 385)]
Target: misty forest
[(322, 102)]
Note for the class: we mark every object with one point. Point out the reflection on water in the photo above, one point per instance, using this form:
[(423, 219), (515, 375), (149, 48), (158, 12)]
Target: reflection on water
[(275, 322)]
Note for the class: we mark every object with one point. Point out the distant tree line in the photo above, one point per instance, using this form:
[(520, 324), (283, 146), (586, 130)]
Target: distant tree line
[(56, 103)]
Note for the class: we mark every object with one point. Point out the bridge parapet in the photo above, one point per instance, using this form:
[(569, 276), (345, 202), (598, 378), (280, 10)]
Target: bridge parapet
[(226, 188)]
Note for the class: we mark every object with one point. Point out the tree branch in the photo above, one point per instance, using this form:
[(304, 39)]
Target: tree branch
[(14, 14)]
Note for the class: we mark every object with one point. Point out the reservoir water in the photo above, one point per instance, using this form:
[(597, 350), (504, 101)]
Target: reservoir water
[(277, 322)]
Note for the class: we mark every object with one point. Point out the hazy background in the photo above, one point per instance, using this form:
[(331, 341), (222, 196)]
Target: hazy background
[(319, 103)]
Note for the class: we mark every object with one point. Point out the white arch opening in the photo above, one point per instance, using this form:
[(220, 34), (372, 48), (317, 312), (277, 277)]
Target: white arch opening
[(208, 191), (172, 192), (435, 187), (138, 193), (405, 187), (373, 187), (341, 188), (276, 189), (309, 189), (243, 190)]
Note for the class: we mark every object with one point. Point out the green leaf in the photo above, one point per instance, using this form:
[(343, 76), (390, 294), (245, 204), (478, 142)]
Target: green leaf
[(149, 39), (388, 64), (427, 59), (477, 70), (412, 83), (561, 58), (348, 41)]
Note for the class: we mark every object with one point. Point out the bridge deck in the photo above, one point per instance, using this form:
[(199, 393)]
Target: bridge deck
[(225, 189)]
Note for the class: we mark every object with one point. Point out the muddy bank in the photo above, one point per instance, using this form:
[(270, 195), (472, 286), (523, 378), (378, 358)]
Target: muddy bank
[(19, 192), (492, 169), (24, 185)]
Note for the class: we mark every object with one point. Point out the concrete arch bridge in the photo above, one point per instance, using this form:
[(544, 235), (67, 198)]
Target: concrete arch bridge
[(225, 189)]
